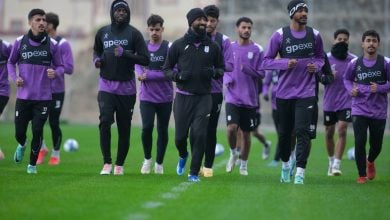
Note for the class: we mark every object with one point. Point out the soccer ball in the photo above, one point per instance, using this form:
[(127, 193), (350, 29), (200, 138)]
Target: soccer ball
[(219, 149), (71, 145), (351, 153)]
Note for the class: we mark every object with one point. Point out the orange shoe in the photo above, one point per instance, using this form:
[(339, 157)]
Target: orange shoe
[(41, 156), (54, 160), (370, 170), (361, 180)]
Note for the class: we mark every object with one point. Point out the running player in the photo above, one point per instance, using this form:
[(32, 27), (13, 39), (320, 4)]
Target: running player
[(367, 80), (117, 48), (192, 105), (39, 61), (301, 56), (58, 90), (337, 102), (156, 96), (242, 92)]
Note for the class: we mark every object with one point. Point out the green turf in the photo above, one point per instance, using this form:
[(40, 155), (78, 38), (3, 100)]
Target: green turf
[(75, 190)]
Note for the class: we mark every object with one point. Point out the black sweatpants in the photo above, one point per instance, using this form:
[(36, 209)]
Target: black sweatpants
[(122, 107), (212, 129), (376, 128), (295, 114), (37, 113), (55, 109), (275, 118), (163, 113), (192, 112), (3, 102)]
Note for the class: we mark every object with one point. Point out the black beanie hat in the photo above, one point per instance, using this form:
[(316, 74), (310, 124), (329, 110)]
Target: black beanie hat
[(294, 5), (212, 11), (195, 13), (119, 4)]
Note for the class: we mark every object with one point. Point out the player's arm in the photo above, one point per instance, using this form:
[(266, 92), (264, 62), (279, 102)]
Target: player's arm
[(271, 62), (67, 57), (385, 88), (140, 55)]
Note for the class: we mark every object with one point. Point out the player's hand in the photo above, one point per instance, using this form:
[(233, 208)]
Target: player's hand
[(354, 91), (292, 63), (142, 77), (311, 68), (118, 51), (19, 81), (98, 64), (373, 87), (51, 73)]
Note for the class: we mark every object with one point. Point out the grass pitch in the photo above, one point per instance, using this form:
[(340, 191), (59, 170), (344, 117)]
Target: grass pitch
[(75, 190)]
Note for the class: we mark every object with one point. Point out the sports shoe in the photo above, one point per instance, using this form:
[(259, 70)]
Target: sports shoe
[(336, 171), (107, 169), (54, 160), (207, 172), (1, 155), (361, 180), (41, 156), (193, 178), (118, 170), (31, 169), (298, 179), (285, 175), (273, 163), (266, 150), (231, 162), (158, 168), (146, 166), (244, 171), (370, 170), (330, 170), (181, 165), (292, 164), (19, 153)]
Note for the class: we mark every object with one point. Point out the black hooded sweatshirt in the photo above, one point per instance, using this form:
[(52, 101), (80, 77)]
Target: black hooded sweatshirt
[(126, 36)]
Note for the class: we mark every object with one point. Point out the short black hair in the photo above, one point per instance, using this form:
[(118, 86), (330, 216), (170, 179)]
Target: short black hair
[(371, 33), (52, 18), (35, 11), (212, 11), (154, 20), (243, 19), (340, 31)]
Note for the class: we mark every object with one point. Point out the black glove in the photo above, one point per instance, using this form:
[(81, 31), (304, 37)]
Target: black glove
[(99, 63), (182, 76)]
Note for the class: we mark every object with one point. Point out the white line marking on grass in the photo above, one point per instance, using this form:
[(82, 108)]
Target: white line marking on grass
[(174, 193), (152, 205)]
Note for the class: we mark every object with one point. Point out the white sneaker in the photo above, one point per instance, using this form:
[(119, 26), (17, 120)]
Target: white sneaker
[(107, 169), (146, 166), (266, 150), (244, 171), (118, 170), (330, 173), (231, 162), (336, 171), (158, 168)]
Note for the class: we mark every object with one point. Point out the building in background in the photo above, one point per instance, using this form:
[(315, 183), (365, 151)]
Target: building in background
[(80, 19)]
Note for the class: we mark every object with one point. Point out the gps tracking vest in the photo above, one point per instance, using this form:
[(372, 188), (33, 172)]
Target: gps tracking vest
[(376, 73), (116, 68), (38, 55), (157, 58), (297, 48)]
